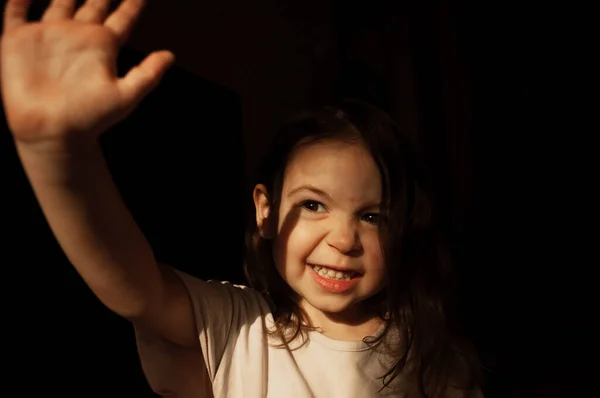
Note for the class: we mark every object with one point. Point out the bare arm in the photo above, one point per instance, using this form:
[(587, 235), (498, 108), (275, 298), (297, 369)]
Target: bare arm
[(103, 242), (60, 92)]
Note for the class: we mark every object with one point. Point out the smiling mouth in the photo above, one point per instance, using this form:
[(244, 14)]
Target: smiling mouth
[(334, 274)]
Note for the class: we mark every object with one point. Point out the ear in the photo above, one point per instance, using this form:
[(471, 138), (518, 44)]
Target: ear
[(263, 207)]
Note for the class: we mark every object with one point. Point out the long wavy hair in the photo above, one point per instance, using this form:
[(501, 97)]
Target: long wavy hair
[(417, 300)]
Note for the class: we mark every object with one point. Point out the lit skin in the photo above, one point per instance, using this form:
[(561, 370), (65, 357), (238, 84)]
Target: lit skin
[(60, 91), (328, 216)]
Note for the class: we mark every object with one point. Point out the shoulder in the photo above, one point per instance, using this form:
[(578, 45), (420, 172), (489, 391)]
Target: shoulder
[(218, 290), (229, 321)]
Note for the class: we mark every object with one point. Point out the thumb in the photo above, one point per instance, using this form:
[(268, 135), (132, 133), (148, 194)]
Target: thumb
[(141, 79)]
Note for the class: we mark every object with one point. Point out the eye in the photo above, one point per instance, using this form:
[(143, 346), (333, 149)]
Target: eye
[(371, 218), (314, 206)]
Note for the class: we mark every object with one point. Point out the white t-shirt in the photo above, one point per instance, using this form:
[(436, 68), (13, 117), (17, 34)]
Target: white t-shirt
[(240, 362)]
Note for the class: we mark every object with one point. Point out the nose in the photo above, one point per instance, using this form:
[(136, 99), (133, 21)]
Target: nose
[(344, 237)]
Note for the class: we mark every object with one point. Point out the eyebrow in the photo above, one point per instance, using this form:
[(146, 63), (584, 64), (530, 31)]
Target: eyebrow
[(310, 188), (323, 194)]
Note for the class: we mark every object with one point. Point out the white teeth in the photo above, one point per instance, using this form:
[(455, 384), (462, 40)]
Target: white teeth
[(332, 274)]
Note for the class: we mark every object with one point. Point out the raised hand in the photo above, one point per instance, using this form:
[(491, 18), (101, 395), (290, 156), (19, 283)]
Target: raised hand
[(59, 77)]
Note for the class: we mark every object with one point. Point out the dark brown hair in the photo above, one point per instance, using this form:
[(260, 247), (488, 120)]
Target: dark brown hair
[(416, 301)]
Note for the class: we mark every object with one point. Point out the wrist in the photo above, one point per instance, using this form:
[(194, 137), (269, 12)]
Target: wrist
[(58, 149), (59, 163)]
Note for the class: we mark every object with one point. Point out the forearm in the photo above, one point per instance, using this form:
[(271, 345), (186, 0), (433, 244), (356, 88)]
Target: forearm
[(94, 228)]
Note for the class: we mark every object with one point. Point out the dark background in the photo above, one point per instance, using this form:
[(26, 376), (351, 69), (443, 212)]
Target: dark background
[(462, 79)]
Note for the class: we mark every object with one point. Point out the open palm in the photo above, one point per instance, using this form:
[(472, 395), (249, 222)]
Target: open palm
[(59, 78)]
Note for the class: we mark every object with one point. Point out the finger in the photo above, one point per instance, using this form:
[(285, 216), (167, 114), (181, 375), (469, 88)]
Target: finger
[(93, 11), (140, 80), (15, 13), (123, 19), (59, 10)]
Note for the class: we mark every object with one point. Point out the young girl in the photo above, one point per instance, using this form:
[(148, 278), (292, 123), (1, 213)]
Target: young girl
[(349, 278)]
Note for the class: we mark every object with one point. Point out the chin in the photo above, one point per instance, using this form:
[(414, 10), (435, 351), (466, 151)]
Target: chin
[(331, 305)]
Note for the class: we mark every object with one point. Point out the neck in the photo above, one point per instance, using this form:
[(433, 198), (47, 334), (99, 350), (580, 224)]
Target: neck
[(352, 325)]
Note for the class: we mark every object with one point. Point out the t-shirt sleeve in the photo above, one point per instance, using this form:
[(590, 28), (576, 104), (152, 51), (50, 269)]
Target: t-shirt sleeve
[(224, 313)]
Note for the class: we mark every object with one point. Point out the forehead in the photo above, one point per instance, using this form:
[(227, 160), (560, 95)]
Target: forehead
[(342, 169)]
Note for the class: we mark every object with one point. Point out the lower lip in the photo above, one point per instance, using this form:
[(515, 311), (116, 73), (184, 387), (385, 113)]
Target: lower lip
[(331, 285)]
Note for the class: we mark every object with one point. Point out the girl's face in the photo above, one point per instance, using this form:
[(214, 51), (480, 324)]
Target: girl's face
[(326, 246)]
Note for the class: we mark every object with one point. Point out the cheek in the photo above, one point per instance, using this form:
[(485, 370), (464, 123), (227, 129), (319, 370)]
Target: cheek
[(375, 265), (373, 252), (280, 253), (293, 246)]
